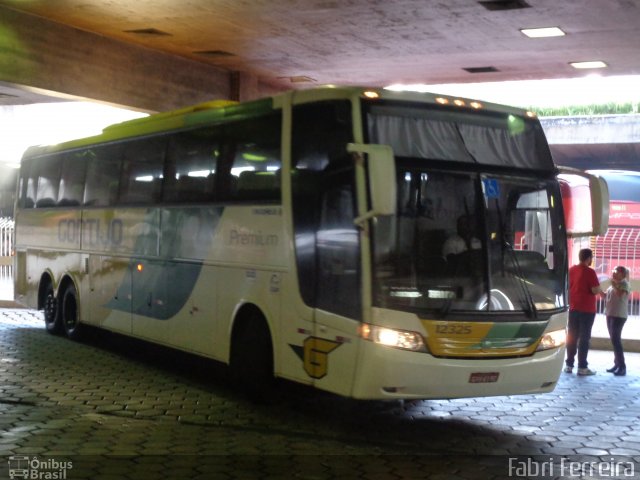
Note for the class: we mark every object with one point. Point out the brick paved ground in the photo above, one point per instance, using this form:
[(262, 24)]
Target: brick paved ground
[(119, 409)]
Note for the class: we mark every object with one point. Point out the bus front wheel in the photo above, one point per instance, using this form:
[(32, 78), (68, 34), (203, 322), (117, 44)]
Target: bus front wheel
[(251, 360), (71, 314)]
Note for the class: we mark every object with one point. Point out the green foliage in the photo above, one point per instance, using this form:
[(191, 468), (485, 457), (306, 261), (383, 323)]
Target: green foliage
[(602, 109)]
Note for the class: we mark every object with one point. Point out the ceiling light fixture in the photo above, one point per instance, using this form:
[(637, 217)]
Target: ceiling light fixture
[(214, 53), (589, 64), (298, 79), (488, 69), (543, 32), (499, 5), (149, 31)]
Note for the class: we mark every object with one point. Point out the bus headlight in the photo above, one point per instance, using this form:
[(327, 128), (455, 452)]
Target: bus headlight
[(553, 339), (390, 337)]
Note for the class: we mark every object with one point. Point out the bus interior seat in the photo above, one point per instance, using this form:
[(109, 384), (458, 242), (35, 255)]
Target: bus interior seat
[(261, 184), (434, 264), (432, 241), (45, 202), (531, 260), (210, 187), (100, 194), (192, 189), (430, 256), (141, 192), (68, 202), (70, 195)]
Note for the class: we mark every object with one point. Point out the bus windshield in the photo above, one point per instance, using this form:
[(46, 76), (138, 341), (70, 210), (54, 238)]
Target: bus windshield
[(470, 242), (467, 239)]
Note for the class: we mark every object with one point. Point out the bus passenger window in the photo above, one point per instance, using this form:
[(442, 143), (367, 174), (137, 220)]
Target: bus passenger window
[(71, 190), (48, 181), (28, 183), (103, 176), (142, 171), (253, 160), (190, 172)]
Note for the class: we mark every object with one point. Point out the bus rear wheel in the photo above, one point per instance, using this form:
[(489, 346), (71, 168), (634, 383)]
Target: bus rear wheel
[(52, 321), (71, 314), (251, 360)]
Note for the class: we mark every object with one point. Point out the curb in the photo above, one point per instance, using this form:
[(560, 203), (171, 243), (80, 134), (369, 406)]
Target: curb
[(9, 304), (629, 345)]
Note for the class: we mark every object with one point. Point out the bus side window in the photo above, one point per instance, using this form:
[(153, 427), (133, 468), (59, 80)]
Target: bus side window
[(103, 176), (252, 159), (28, 182), (191, 165), (71, 188), (142, 168), (48, 181)]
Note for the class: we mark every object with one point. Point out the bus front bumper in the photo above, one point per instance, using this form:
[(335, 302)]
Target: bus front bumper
[(389, 373)]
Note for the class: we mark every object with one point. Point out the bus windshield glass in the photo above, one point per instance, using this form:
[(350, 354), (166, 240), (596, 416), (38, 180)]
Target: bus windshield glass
[(469, 239)]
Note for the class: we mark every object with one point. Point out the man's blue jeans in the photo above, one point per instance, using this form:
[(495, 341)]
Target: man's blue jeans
[(578, 337)]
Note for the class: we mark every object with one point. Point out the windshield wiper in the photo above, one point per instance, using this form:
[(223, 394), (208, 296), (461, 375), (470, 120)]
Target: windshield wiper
[(531, 305), (505, 245)]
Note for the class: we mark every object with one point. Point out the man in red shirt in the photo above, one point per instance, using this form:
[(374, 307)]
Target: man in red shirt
[(583, 288)]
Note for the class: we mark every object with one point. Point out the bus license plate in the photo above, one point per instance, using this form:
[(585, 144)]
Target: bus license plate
[(484, 377)]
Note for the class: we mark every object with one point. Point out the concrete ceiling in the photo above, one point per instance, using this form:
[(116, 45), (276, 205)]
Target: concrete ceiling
[(300, 43)]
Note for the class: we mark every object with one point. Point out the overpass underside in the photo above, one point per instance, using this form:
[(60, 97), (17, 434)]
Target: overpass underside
[(609, 142), (591, 156), (51, 60)]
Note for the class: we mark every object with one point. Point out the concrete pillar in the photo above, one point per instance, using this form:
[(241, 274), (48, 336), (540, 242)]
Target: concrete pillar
[(244, 86)]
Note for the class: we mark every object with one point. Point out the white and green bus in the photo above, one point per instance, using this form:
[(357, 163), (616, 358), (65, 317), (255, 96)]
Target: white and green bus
[(370, 243)]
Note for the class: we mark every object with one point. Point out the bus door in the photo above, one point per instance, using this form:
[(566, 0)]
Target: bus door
[(331, 358), (327, 246)]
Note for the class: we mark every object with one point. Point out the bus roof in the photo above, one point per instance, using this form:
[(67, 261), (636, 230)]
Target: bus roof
[(217, 110)]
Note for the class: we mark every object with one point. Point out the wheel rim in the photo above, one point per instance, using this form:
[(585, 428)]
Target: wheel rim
[(50, 307), (70, 313)]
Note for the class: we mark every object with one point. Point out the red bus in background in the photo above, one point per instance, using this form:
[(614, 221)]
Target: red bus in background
[(621, 244)]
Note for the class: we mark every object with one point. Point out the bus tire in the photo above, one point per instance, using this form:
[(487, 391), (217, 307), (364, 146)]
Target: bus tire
[(50, 307), (71, 314), (251, 359)]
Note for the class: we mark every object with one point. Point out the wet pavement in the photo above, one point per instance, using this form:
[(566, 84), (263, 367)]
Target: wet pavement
[(116, 408)]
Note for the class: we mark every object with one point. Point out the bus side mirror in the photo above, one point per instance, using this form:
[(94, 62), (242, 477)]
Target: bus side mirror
[(599, 204), (381, 167), (585, 199)]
